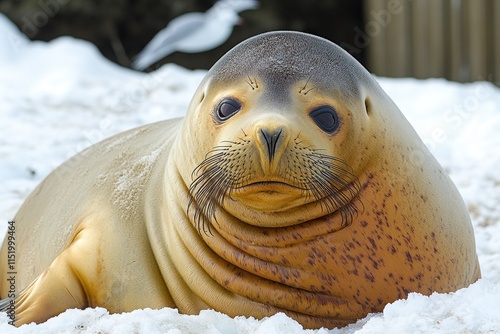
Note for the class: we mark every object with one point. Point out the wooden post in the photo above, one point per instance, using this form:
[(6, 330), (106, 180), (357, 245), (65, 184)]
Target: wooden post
[(456, 51), (438, 32), (476, 39), (377, 49), (420, 39), (399, 52), (496, 42)]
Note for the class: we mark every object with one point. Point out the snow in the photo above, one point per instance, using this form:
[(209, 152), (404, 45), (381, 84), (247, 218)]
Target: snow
[(59, 97)]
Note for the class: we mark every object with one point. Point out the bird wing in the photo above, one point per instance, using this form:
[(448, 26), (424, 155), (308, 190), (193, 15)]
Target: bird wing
[(237, 5), (164, 42)]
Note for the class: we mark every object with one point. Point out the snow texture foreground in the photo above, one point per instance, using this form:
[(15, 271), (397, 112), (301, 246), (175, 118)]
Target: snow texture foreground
[(58, 98)]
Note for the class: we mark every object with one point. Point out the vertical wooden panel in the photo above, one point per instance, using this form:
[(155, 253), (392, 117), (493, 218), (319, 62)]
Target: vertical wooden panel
[(476, 38), (377, 49), (438, 32), (420, 38), (455, 42), (399, 53), (496, 41)]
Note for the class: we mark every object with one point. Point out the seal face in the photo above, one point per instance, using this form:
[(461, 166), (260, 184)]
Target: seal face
[(278, 145), (293, 184)]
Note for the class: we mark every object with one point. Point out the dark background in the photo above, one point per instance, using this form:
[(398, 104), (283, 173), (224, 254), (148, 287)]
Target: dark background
[(121, 28)]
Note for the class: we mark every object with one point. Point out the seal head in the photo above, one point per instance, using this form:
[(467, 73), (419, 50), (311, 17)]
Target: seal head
[(280, 111)]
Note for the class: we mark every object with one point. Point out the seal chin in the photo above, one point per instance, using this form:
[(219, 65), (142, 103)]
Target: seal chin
[(270, 196)]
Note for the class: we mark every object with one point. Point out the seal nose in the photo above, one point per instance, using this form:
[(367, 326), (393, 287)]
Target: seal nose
[(271, 138), (272, 142)]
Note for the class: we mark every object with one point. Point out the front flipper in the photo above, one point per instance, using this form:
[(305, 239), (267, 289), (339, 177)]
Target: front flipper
[(57, 289)]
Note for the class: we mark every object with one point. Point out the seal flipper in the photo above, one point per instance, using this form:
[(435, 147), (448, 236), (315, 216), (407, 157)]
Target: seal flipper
[(57, 289)]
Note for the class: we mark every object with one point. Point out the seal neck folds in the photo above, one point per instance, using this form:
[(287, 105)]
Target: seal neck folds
[(265, 269)]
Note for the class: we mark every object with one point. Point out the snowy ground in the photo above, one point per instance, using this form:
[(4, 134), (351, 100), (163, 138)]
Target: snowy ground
[(57, 98)]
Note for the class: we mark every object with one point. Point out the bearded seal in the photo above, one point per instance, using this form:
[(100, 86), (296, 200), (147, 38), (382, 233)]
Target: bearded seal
[(293, 184)]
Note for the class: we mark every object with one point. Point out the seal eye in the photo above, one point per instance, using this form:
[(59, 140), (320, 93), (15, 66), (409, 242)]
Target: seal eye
[(227, 108), (326, 118)]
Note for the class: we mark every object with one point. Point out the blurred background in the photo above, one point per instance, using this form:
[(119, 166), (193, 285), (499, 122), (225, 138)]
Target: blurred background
[(454, 39)]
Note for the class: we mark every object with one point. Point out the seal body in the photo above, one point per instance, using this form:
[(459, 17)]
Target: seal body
[(293, 184)]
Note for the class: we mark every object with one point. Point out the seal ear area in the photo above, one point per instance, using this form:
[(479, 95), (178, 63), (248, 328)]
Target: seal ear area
[(201, 97), (227, 108), (326, 118), (368, 106)]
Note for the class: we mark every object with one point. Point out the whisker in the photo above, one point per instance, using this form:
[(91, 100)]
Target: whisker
[(332, 182), (327, 179)]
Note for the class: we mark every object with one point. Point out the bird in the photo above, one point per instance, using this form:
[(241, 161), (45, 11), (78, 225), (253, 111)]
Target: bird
[(194, 32)]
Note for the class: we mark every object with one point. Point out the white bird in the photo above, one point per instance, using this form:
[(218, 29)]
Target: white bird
[(194, 32)]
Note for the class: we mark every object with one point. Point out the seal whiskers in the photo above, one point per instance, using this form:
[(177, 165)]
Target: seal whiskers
[(322, 178), (331, 180), (218, 175)]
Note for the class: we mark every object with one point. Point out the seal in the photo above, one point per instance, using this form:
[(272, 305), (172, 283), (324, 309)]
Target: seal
[(293, 184)]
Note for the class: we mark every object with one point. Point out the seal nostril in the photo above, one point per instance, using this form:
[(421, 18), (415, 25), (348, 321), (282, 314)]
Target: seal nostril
[(271, 137)]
